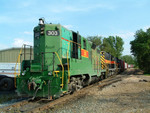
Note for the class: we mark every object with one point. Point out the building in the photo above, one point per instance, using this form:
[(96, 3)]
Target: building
[(10, 60), (11, 55)]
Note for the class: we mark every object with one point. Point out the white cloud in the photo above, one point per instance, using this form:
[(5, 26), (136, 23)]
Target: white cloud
[(28, 33), (146, 27), (125, 35), (18, 42), (82, 8), (68, 26)]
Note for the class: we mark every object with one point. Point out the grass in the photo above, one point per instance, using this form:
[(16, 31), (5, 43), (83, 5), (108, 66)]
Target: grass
[(147, 74)]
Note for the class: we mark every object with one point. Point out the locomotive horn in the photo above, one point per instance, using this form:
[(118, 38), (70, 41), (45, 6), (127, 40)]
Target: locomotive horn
[(41, 21)]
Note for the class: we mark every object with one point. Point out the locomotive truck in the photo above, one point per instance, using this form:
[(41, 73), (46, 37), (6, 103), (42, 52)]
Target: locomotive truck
[(7, 76), (64, 62)]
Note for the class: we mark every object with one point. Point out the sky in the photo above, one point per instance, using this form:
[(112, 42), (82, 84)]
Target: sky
[(90, 17)]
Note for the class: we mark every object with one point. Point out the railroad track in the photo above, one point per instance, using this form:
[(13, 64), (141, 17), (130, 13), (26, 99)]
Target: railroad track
[(41, 104)]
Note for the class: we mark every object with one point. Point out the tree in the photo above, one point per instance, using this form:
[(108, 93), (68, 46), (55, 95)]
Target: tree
[(140, 47), (113, 45), (128, 59), (97, 40), (119, 46), (108, 45)]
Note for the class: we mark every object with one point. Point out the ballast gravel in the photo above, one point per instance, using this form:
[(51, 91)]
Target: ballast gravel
[(131, 95)]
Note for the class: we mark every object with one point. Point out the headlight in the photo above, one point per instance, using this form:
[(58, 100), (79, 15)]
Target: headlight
[(50, 73), (24, 72)]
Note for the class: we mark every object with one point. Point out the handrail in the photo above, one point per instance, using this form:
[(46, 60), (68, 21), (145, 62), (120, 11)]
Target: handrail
[(71, 41), (53, 66), (62, 69), (68, 63), (68, 54), (17, 62)]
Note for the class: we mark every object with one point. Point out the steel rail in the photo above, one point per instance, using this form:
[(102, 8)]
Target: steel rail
[(41, 106)]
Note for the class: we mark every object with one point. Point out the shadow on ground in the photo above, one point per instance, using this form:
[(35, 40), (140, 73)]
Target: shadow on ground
[(132, 72)]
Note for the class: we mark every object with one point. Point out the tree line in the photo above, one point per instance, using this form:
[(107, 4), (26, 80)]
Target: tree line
[(112, 44), (140, 48)]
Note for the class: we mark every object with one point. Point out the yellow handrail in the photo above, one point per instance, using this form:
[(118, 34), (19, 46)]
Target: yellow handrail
[(17, 62), (68, 63), (68, 54), (62, 69), (71, 41), (56, 73)]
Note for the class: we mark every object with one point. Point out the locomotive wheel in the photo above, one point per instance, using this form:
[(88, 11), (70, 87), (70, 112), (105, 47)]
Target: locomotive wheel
[(6, 84), (116, 71), (78, 84), (101, 77), (75, 84), (107, 73)]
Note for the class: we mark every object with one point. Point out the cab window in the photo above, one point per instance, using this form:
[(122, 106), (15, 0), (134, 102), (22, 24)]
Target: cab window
[(84, 44)]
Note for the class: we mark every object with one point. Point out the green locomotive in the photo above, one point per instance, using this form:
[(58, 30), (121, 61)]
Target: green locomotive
[(64, 61)]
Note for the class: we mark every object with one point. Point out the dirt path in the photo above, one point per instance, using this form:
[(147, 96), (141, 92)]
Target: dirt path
[(131, 95)]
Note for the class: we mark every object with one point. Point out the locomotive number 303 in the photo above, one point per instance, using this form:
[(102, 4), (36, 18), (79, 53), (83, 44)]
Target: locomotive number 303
[(52, 33)]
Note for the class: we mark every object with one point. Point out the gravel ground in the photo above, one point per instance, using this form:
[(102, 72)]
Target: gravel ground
[(131, 95), (8, 97)]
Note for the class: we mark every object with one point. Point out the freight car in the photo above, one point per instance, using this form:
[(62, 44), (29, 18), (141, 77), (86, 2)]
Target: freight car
[(130, 65), (7, 76), (6, 83), (8, 67), (64, 62)]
